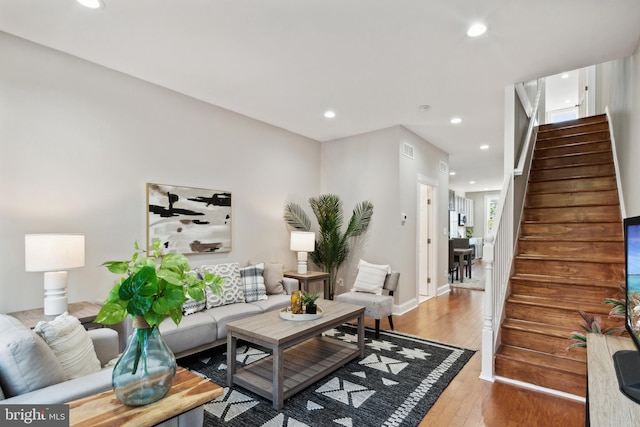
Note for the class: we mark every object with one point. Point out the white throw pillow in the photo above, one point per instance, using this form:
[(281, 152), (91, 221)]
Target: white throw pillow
[(71, 344), (370, 277)]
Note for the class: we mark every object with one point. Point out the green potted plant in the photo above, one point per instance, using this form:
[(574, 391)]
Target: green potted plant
[(332, 246), (309, 301), (151, 289)]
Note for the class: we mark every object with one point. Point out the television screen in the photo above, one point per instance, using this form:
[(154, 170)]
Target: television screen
[(627, 362)]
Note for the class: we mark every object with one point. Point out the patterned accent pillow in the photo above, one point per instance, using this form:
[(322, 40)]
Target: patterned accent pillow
[(71, 344), (232, 289), (253, 282)]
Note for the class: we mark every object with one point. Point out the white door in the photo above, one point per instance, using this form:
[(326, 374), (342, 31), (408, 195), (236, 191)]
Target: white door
[(426, 245)]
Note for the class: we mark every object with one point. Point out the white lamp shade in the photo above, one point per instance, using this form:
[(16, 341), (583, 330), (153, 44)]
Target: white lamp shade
[(303, 241), (51, 252)]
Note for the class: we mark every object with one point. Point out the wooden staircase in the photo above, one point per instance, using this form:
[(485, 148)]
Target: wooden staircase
[(570, 256)]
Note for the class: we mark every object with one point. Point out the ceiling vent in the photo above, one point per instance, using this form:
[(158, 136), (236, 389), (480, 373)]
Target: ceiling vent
[(444, 168), (407, 149)]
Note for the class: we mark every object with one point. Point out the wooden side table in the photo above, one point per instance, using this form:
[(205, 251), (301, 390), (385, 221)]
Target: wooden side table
[(104, 409), (310, 276), (84, 311)]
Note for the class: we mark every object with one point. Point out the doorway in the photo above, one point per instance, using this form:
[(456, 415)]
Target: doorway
[(427, 244)]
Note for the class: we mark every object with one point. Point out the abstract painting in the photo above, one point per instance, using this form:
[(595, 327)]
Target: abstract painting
[(188, 220)]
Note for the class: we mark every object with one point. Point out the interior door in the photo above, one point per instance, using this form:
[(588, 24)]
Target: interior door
[(426, 286)]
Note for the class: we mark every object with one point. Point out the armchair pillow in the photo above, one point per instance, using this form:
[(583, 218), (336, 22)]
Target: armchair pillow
[(370, 277), (26, 362), (71, 344), (253, 282)]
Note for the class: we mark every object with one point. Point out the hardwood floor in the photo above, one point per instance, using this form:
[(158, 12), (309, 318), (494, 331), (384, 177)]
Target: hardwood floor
[(456, 318)]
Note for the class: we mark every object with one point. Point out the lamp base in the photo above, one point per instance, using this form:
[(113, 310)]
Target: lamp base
[(55, 293), (302, 263)]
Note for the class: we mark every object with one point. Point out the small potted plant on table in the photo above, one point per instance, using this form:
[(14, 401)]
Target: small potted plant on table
[(309, 301)]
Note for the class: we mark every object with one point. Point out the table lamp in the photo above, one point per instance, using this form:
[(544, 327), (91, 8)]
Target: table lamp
[(303, 242), (54, 253)]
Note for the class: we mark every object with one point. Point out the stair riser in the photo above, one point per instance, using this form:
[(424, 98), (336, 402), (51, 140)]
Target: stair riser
[(575, 130), (556, 316), (572, 139), (599, 147), (572, 172), (568, 382), (580, 270), (573, 214), (600, 119), (542, 343), (596, 231), (563, 292), (572, 161), (601, 251), (573, 185), (590, 198)]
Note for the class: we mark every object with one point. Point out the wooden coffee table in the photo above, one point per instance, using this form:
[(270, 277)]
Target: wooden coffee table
[(104, 409), (300, 354)]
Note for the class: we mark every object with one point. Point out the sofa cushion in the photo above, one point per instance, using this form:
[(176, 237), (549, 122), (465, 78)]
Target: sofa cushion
[(274, 302), (229, 313), (273, 278), (253, 282), (71, 344), (194, 330), (26, 362), (370, 277), (232, 290)]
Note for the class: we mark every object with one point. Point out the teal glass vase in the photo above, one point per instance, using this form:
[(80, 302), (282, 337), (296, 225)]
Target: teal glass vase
[(144, 373)]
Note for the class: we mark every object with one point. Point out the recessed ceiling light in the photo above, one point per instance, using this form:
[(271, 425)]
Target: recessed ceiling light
[(472, 182), (484, 147), (91, 4), (452, 173), (477, 29), (456, 120), (329, 114)]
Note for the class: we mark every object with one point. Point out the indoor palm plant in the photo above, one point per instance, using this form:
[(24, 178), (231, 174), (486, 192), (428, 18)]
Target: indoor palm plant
[(332, 244), (152, 288)]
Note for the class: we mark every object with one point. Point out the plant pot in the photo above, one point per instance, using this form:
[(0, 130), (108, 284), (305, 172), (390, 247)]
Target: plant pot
[(144, 373), (312, 309)]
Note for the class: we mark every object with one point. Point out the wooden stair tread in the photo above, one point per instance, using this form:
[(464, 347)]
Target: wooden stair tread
[(599, 118), (559, 304), (542, 360), (588, 258), (539, 328), (575, 281)]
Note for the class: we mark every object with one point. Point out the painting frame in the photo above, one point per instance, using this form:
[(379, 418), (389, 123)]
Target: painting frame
[(189, 220)]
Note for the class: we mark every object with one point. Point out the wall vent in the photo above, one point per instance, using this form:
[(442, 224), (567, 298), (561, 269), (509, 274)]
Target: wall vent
[(444, 168), (407, 149)]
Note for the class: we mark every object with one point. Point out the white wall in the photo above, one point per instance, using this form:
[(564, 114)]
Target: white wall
[(80, 141), (371, 167)]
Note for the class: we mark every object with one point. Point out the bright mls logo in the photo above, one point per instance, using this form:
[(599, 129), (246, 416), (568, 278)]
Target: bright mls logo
[(35, 415)]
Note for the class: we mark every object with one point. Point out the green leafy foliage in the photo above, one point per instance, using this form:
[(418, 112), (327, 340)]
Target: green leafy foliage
[(154, 287), (591, 324), (309, 298), (332, 244)]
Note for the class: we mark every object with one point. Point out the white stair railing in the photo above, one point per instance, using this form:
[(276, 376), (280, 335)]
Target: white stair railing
[(497, 254)]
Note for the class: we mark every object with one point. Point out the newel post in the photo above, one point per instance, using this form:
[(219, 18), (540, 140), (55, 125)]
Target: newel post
[(487, 372)]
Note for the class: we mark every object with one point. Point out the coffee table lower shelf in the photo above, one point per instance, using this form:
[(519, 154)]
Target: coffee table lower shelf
[(303, 364)]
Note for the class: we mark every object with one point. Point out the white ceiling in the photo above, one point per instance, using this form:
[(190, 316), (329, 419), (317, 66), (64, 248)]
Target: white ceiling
[(372, 61)]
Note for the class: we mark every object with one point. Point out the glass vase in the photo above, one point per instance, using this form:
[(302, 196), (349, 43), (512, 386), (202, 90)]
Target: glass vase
[(144, 373)]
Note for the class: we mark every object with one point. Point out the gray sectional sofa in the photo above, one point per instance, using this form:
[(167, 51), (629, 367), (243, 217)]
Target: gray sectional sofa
[(200, 330)]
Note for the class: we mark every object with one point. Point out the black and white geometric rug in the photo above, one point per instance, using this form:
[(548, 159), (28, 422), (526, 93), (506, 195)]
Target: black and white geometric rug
[(395, 384)]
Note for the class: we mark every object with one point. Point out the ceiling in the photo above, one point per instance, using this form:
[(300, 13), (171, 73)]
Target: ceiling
[(371, 61)]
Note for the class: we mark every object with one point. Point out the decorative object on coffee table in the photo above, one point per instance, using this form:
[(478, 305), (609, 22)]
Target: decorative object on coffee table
[(309, 301), (332, 247), (152, 289)]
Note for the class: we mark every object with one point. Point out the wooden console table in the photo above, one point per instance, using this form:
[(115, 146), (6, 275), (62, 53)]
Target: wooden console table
[(84, 311), (606, 404), (105, 410)]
